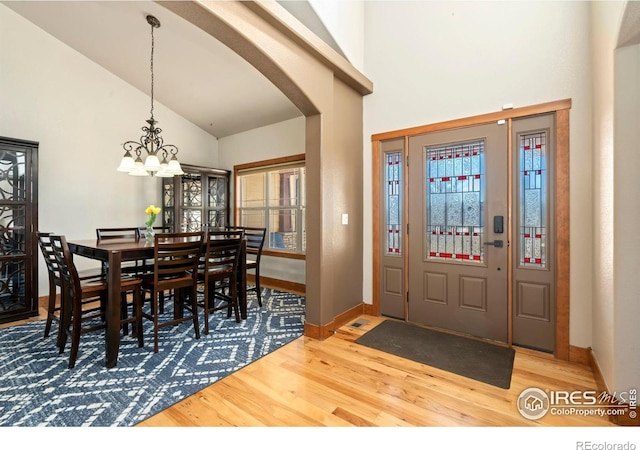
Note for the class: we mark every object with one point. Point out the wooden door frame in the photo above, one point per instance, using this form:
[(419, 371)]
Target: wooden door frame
[(561, 109)]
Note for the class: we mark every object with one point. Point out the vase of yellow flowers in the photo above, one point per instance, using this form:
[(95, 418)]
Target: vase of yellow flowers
[(152, 211)]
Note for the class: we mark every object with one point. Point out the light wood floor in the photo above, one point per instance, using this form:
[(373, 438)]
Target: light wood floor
[(338, 383)]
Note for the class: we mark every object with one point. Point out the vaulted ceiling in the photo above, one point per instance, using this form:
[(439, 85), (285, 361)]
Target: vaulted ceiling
[(195, 75)]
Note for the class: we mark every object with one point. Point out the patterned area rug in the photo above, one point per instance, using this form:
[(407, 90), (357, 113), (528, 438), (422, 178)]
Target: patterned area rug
[(37, 389)]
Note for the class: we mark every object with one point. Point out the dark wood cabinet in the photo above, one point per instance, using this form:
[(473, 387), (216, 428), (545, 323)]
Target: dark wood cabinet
[(197, 200), (18, 223)]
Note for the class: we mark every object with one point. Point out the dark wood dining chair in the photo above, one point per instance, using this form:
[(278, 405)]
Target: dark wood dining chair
[(78, 315), (254, 237), (175, 267), (118, 233), (147, 264), (129, 267), (55, 281), (135, 268), (220, 265)]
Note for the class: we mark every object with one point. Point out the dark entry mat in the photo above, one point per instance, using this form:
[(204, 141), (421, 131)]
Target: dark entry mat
[(481, 361)]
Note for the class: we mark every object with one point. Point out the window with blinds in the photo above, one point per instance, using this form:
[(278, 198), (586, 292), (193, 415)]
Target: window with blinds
[(271, 195)]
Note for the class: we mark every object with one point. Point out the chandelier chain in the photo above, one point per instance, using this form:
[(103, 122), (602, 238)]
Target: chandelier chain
[(152, 75)]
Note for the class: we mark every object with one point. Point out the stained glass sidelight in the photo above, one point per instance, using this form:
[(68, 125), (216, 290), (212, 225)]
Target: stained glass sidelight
[(533, 192), (393, 206), (454, 193)]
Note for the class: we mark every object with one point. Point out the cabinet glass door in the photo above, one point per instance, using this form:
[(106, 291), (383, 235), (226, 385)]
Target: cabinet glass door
[(197, 200), (18, 290)]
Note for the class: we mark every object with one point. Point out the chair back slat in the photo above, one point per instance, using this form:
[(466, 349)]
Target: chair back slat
[(118, 233), (67, 269), (254, 237), (48, 253)]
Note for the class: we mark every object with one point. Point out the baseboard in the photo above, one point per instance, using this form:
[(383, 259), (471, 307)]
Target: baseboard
[(370, 310), (580, 355), (322, 332), (281, 285), (626, 419), (595, 369), (43, 302)]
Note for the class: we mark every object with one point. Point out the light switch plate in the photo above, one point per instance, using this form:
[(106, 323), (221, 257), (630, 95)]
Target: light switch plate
[(345, 219)]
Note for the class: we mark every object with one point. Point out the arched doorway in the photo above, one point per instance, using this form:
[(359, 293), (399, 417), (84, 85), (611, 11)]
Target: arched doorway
[(328, 91)]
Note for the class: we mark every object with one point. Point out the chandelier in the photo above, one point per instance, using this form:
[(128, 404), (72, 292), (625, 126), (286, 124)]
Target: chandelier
[(160, 159)]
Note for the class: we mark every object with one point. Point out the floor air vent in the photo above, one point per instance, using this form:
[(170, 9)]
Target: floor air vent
[(359, 323)]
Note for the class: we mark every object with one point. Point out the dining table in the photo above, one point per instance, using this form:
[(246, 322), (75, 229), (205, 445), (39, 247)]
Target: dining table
[(114, 252)]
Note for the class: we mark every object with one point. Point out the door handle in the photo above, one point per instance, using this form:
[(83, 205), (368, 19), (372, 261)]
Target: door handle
[(497, 243)]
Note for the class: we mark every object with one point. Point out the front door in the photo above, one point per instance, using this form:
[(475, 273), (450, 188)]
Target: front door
[(458, 211)]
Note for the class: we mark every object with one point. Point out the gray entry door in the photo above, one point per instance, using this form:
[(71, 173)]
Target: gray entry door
[(458, 211)]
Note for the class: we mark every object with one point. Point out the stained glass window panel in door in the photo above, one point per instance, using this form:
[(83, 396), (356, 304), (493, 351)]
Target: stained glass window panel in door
[(533, 200), (393, 202), (454, 196)]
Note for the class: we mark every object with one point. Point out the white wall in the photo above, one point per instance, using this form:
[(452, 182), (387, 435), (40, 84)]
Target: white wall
[(434, 61), (345, 21), (616, 114), (626, 254), (605, 18), (274, 141), (81, 114)]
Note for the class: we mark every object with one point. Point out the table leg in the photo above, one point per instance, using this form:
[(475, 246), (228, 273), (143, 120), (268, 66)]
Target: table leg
[(112, 335)]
